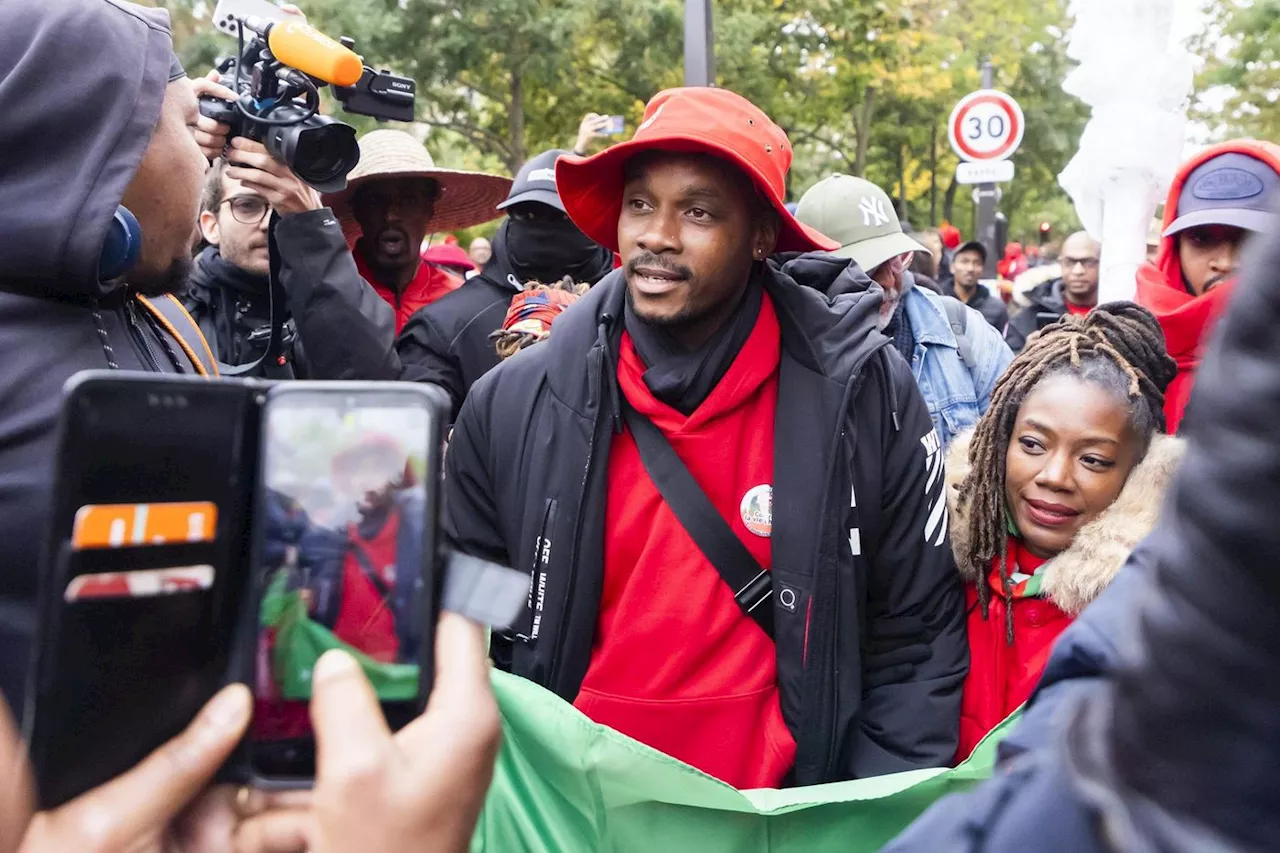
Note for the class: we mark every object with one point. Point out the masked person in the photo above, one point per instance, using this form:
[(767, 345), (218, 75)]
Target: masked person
[(1074, 291), (447, 343), (333, 325), (395, 197), (1218, 199), (841, 652)]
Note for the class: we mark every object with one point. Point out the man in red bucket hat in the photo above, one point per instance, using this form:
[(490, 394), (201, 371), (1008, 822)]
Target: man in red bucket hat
[(727, 563)]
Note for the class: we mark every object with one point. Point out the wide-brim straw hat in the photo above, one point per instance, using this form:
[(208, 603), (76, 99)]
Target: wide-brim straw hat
[(465, 198)]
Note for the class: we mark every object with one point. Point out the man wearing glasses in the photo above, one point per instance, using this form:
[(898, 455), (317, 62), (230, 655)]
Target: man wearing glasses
[(346, 328), (1076, 292)]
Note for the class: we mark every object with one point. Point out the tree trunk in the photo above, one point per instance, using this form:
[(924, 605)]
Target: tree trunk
[(933, 175), (515, 123), (862, 129), (949, 200)]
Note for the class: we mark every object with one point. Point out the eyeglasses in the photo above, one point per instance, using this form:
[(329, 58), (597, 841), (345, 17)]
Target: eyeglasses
[(407, 195), (247, 209), (1087, 263)]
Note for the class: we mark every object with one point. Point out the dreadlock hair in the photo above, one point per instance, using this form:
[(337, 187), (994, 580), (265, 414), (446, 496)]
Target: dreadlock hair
[(508, 342), (1118, 347)]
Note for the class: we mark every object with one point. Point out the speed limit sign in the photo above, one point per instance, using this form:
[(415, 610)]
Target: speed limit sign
[(986, 125)]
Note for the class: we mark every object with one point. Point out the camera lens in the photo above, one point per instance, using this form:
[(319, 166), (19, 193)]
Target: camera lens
[(319, 150)]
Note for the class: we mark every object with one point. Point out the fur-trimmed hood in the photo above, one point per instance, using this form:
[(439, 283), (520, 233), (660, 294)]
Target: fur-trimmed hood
[(1074, 578)]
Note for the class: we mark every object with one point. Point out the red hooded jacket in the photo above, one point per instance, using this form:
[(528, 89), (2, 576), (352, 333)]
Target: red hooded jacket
[(1187, 320)]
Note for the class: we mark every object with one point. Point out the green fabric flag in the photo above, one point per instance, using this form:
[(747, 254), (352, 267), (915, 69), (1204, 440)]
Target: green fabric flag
[(300, 642), (564, 784)]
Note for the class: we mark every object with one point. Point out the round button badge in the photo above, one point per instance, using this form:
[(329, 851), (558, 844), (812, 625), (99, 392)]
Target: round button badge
[(757, 510)]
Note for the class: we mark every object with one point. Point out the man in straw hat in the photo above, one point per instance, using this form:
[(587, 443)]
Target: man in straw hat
[(394, 198), (727, 564), (955, 354)]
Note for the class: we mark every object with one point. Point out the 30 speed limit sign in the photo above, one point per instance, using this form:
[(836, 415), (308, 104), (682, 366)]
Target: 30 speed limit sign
[(986, 125)]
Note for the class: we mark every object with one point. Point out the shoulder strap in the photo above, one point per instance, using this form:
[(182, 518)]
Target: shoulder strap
[(958, 317), (173, 316), (367, 568), (752, 586)]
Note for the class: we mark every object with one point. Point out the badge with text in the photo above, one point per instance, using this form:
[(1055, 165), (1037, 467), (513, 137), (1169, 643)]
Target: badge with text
[(129, 525), (757, 510)]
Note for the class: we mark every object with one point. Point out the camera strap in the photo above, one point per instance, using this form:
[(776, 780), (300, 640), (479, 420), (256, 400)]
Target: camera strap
[(274, 362), (752, 585)]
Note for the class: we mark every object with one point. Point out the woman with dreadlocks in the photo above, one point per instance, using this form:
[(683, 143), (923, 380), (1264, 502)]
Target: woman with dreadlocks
[(1062, 476)]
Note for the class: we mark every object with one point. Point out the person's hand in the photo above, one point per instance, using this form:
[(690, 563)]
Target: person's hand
[(211, 135), (422, 788), (161, 805), (593, 126), (16, 791), (251, 165)]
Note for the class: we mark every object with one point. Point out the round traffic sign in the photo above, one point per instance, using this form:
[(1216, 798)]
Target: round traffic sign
[(986, 125)]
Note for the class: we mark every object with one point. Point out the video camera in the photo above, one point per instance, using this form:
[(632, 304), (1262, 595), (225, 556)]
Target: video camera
[(278, 74)]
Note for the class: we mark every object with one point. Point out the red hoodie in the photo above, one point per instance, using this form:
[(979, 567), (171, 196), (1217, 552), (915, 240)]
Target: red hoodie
[(1187, 320)]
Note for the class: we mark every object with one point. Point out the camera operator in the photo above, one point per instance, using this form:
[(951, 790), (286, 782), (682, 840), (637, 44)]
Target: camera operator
[(255, 211)]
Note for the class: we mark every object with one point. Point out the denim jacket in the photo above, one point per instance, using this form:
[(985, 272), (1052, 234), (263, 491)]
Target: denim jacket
[(957, 395)]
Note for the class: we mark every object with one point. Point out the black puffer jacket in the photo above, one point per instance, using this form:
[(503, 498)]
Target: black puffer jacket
[(71, 141), (528, 463), (1046, 305)]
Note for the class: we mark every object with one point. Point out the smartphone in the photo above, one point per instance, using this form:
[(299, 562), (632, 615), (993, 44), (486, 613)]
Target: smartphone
[(344, 556), (616, 126), (142, 575), (228, 13)]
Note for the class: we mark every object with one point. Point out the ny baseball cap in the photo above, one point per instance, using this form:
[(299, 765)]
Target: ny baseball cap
[(859, 215), (536, 181), (694, 120), (1230, 189)]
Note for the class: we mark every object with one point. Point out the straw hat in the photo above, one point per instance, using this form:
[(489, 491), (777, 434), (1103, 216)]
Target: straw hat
[(466, 198)]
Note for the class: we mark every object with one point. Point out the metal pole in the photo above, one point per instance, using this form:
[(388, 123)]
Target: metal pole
[(699, 44), (988, 196)]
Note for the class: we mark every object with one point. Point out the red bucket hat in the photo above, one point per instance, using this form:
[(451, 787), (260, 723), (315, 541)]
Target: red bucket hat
[(697, 120)]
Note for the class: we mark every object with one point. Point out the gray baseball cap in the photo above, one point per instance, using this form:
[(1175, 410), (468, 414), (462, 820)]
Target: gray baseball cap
[(536, 181), (1230, 189), (857, 214)]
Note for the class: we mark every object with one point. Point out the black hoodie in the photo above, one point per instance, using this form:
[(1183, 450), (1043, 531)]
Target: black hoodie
[(871, 649), (1045, 304), (81, 87)]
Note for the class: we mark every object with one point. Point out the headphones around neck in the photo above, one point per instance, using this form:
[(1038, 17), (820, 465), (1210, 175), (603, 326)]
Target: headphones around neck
[(123, 245)]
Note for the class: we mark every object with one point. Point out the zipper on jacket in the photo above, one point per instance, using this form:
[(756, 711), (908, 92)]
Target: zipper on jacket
[(133, 322), (595, 371)]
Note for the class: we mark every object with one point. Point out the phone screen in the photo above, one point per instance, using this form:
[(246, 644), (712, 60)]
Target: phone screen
[(343, 557)]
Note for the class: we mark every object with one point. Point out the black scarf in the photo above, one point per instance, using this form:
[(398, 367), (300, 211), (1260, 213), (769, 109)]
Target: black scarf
[(682, 378), (547, 250), (900, 332)]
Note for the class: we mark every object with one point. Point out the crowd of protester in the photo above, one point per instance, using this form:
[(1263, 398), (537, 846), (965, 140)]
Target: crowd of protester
[(801, 501)]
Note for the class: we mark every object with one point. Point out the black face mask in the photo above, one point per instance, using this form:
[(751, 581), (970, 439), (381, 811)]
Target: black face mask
[(547, 250)]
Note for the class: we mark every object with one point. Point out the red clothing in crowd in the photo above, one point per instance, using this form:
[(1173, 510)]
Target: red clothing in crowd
[(676, 664), (428, 285), (1002, 676), (1187, 320), (364, 619), (1078, 310)]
